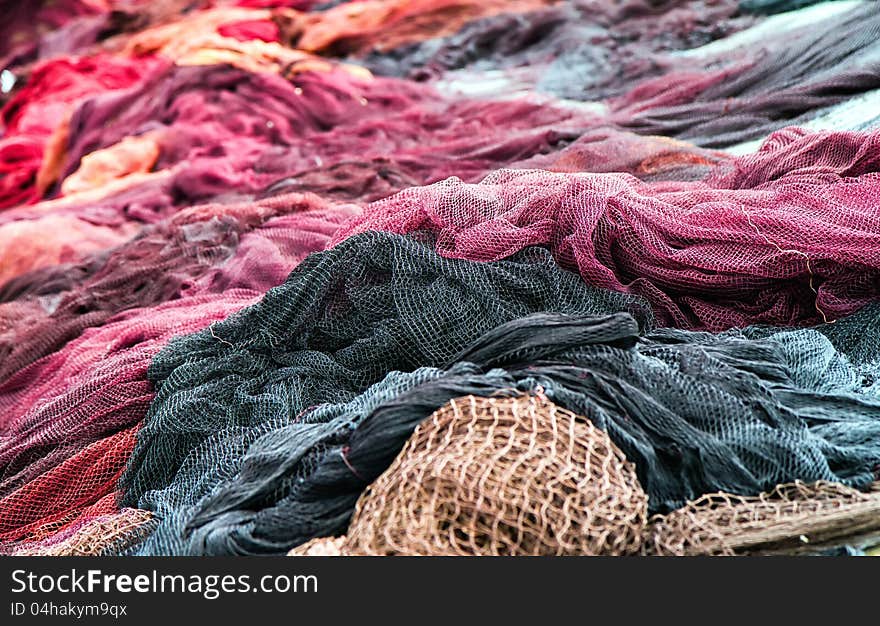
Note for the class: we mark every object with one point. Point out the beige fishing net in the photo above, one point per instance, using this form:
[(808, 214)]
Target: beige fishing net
[(503, 476), (521, 476), (108, 534), (791, 518)]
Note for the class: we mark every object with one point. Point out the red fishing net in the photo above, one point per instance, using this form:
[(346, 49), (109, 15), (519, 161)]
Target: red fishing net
[(46, 100)]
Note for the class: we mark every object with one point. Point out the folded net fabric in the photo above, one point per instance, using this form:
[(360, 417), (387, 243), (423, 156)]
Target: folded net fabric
[(105, 535), (580, 49), (265, 427), (236, 458), (70, 418), (774, 6), (774, 522), (384, 24), (785, 236), (79, 341), (724, 103), (225, 132), (48, 97), (522, 476), (204, 249)]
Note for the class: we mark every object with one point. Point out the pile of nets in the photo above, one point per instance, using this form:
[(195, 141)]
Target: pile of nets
[(238, 458), (522, 477), (785, 236), (204, 249), (248, 247)]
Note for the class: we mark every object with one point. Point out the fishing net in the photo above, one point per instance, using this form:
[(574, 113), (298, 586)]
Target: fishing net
[(69, 419), (785, 236), (720, 102), (45, 101), (651, 159), (204, 249), (521, 476), (227, 133), (267, 427), (503, 477), (29, 245), (66, 398), (58, 496), (580, 49), (790, 518), (385, 24), (445, 495), (107, 535), (322, 546), (774, 6)]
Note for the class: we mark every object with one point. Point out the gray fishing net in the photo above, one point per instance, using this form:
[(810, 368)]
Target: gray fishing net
[(521, 476), (267, 427)]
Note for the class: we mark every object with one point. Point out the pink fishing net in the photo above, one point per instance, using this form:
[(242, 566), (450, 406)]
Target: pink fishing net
[(786, 236), (69, 420), (78, 340), (30, 117)]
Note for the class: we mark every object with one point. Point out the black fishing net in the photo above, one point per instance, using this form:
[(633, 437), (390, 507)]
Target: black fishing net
[(804, 71), (236, 456)]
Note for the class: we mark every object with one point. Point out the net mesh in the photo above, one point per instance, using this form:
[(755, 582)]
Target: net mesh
[(69, 432), (521, 476), (726, 100), (77, 387), (106, 535), (790, 517), (503, 477), (204, 249), (786, 236), (372, 305), (579, 49), (268, 426), (225, 132)]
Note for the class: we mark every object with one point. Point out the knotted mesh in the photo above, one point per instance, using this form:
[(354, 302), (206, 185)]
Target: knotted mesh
[(521, 476), (374, 304), (729, 98), (77, 385), (106, 535), (578, 49), (786, 236), (503, 477), (268, 426), (790, 518), (69, 419), (204, 249)]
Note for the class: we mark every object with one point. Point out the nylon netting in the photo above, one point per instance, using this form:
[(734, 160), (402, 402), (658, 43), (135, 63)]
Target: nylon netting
[(786, 236), (789, 518), (726, 100), (503, 477), (68, 435), (204, 249), (268, 426), (579, 49), (106, 535), (72, 400), (374, 304), (774, 6), (521, 476)]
